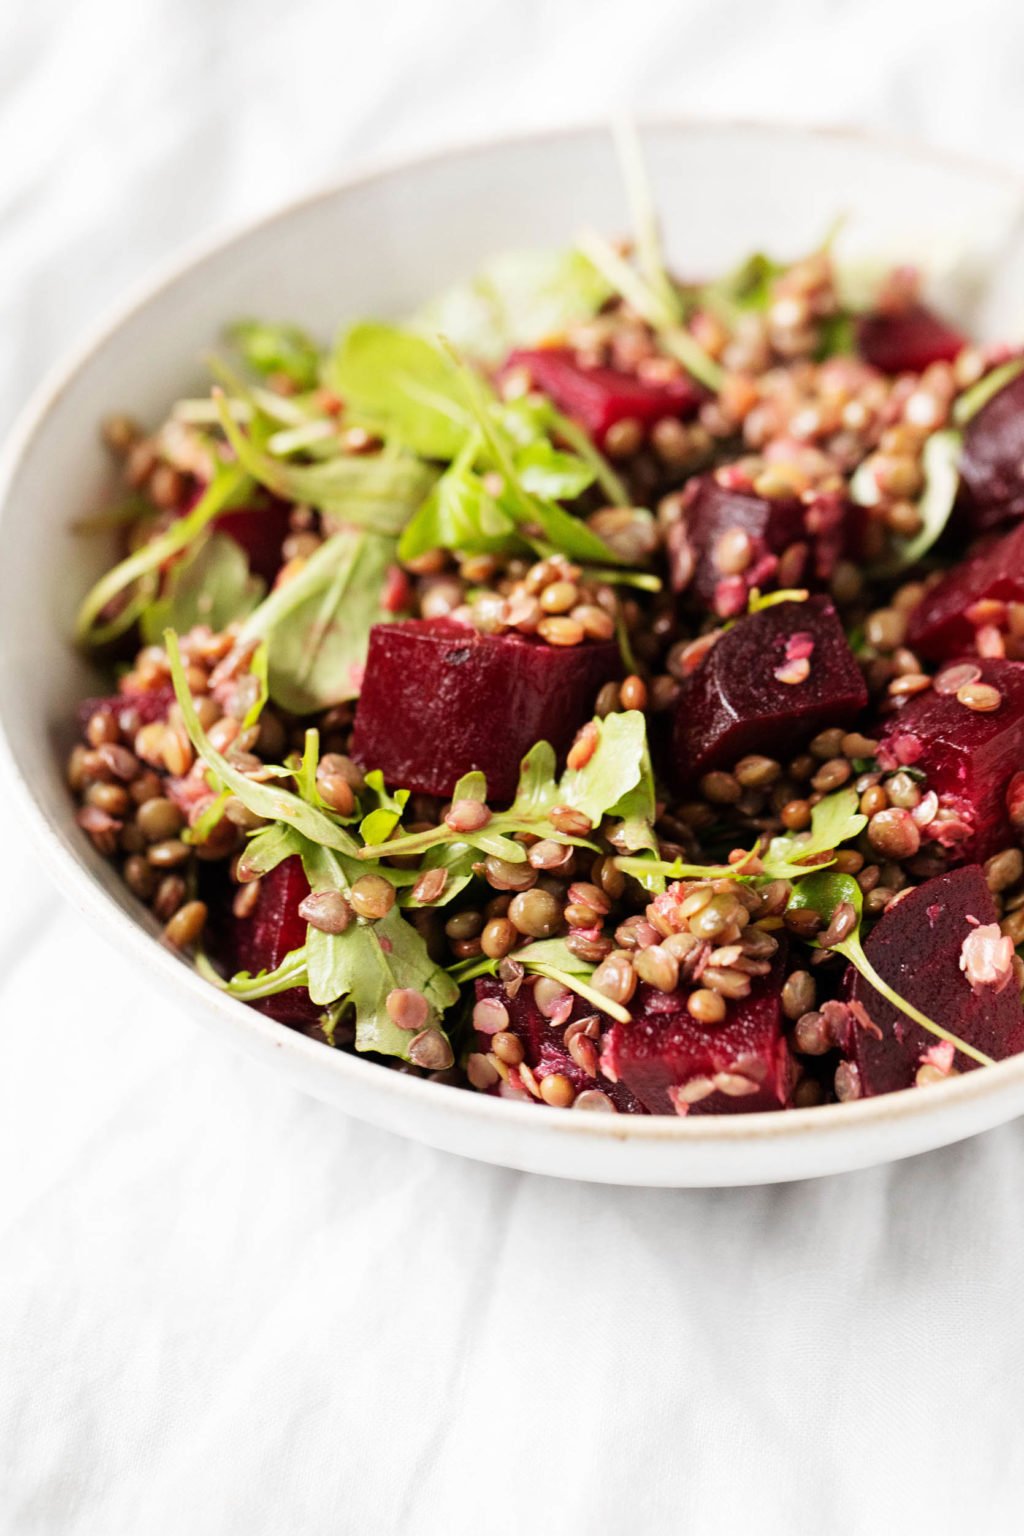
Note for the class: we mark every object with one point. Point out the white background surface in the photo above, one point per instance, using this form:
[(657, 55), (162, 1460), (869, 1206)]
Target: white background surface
[(225, 1308)]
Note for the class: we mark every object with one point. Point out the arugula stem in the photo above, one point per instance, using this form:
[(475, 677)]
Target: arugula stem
[(591, 994), (145, 562), (579, 442), (290, 973), (676, 340)]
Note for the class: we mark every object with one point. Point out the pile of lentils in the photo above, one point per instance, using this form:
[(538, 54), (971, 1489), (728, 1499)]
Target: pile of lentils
[(782, 425)]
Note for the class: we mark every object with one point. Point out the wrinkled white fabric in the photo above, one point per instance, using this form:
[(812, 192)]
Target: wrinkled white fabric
[(225, 1308)]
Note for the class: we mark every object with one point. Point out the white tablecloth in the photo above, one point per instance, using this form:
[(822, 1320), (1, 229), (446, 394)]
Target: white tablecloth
[(227, 1309)]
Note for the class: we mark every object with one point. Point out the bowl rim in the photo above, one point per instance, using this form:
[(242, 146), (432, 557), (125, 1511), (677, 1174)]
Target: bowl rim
[(81, 885)]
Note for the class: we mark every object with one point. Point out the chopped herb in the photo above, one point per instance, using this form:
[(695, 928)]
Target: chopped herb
[(277, 349)]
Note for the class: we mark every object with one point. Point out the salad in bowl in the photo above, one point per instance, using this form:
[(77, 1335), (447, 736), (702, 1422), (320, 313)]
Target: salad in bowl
[(604, 690)]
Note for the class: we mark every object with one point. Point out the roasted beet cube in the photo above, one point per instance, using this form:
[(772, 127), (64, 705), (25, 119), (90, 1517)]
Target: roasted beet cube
[(597, 398), (544, 1039), (260, 531), (968, 757), (784, 542), (992, 462), (767, 685), (916, 947), (947, 619), (439, 699), (261, 941), (260, 528), (907, 340), (674, 1065)]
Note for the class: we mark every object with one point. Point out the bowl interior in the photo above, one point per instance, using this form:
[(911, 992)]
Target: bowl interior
[(379, 246)]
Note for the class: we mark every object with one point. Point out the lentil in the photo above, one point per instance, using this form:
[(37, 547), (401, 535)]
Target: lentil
[(507, 1047), (535, 913), (980, 697), (372, 897), (706, 1007), (327, 911), (430, 1049), (184, 928)]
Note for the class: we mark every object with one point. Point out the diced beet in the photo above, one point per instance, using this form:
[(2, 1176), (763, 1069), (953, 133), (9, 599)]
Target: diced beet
[(968, 758), (544, 1041), (439, 700), (260, 531), (907, 340), (810, 535), (663, 1049), (261, 941), (916, 947), (992, 461), (147, 705), (260, 528), (736, 701), (941, 626), (597, 398)]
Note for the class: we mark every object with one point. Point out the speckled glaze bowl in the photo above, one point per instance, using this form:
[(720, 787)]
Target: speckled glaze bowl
[(380, 243)]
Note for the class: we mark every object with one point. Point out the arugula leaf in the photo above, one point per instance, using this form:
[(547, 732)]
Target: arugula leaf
[(971, 401), (664, 317), (619, 771), (517, 299), (377, 825), (457, 859), (270, 846), (746, 289), (616, 781), (317, 625), (229, 486), (266, 800), (392, 955), (406, 384), (290, 973), (368, 961), (545, 471), (460, 514), (211, 584), (836, 819), (269, 349), (940, 462), (552, 958), (824, 893), (375, 491)]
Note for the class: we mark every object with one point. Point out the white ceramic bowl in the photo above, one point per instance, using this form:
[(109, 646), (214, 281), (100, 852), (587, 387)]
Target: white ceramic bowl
[(379, 245)]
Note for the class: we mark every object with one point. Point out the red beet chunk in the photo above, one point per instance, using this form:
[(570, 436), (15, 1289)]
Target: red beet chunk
[(737, 701), (790, 543), (968, 758), (261, 941), (992, 462), (260, 528), (597, 398), (908, 340), (915, 947), (664, 1049), (544, 1041), (260, 531), (941, 625), (143, 706), (439, 700)]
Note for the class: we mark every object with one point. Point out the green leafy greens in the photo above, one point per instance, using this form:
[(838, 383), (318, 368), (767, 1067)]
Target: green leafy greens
[(368, 960), (317, 625), (616, 781)]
